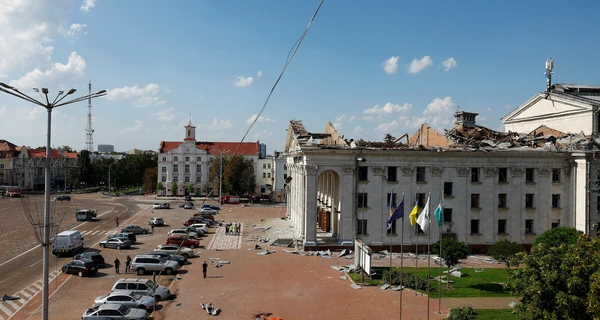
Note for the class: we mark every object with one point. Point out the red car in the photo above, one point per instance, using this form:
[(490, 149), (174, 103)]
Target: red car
[(183, 241)]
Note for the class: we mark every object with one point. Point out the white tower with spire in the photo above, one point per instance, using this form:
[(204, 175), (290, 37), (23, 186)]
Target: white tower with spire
[(89, 138)]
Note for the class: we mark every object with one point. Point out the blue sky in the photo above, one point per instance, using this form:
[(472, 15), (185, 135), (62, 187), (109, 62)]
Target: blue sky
[(369, 67)]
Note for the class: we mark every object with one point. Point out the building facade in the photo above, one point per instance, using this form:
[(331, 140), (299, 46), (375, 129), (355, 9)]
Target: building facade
[(265, 176), (8, 152), (106, 148), (187, 163), (29, 170), (281, 174)]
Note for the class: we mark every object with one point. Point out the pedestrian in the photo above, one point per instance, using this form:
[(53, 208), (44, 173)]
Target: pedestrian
[(127, 264), (152, 226), (231, 229), (117, 263), (237, 230), (117, 220), (204, 267)]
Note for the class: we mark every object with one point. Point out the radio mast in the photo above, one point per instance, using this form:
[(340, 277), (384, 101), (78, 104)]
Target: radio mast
[(89, 139)]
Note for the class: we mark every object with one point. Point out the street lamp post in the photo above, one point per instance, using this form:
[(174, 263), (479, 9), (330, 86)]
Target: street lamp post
[(221, 177), (109, 177), (49, 106)]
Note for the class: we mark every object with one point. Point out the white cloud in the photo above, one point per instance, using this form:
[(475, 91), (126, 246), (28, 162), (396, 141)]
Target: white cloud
[(488, 109), (59, 73), (391, 65), (148, 101), (72, 33), (71, 119), (261, 119), (388, 127), (367, 118), (242, 82), (338, 124), (389, 108), (352, 118), (259, 74), (29, 113), (438, 114), (358, 130), (449, 64), (87, 5), (263, 135), (217, 124), (165, 115), (417, 66), (135, 128), (132, 92)]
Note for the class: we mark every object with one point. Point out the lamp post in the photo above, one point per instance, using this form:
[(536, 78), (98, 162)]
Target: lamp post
[(221, 176), (57, 102), (109, 177)]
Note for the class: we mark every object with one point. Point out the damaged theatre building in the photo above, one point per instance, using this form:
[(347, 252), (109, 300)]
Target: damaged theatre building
[(515, 185)]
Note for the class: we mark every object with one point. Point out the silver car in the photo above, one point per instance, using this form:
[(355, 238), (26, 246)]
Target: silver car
[(127, 298), (135, 229), (114, 311), (143, 263), (116, 243)]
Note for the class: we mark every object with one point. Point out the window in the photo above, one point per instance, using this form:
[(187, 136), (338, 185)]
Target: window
[(447, 189), (268, 174), (284, 176), (198, 159), (187, 158), (175, 158), (529, 176), (556, 201), (555, 224), (264, 165), (362, 226), (447, 215), (268, 166), (502, 226), (187, 179), (175, 179), (502, 201), (391, 174), (421, 200), (198, 168), (555, 175), (163, 169), (420, 174), (175, 168), (530, 200), (1, 165), (163, 179), (529, 226), (362, 173), (187, 168), (264, 174), (362, 200), (392, 230), (474, 226), (198, 179), (474, 174), (475, 200), (285, 166), (387, 201), (503, 175), (164, 159)]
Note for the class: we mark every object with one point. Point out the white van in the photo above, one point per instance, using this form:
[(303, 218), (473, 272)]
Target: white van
[(67, 242), (85, 215)]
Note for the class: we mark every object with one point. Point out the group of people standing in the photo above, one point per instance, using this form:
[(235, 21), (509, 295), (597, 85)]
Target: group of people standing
[(233, 229), (117, 264)]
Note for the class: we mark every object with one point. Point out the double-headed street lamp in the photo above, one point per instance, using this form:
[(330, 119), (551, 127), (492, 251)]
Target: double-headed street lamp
[(221, 176), (57, 102)]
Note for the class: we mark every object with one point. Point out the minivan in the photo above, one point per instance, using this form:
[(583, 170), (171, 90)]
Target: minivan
[(68, 242), (85, 215), (143, 263), (143, 286)]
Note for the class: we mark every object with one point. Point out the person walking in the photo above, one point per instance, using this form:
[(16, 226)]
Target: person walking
[(117, 220), (127, 264), (204, 267), (152, 226), (117, 263)]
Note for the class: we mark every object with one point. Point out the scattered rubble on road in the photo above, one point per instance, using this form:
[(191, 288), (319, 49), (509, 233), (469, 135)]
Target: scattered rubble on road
[(210, 309), (266, 251)]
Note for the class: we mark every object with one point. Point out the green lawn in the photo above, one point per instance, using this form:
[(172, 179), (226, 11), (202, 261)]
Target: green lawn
[(495, 314), (487, 283)]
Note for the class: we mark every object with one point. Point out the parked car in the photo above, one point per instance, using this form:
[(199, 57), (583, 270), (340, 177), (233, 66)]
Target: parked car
[(92, 255), (165, 205), (143, 263), (188, 205), (209, 210), (175, 249), (135, 229), (114, 311), (127, 298), (157, 206), (181, 205), (188, 198), (125, 236), (200, 226), (198, 231), (169, 256), (116, 243), (143, 286), (62, 198), (157, 221), (83, 267), (183, 241), (211, 207), (183, 232)]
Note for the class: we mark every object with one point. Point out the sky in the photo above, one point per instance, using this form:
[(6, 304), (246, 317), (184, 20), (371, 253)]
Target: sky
[(369, 67)]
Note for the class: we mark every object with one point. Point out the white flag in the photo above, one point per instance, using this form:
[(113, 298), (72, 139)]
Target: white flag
[(424, 219)]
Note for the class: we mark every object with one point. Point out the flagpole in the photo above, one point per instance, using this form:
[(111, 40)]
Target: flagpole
[(401, 261), (391, 234), (441, 225), (428, 257), (417, 250)]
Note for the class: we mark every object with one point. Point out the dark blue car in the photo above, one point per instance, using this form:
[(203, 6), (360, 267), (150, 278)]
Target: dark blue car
[(211, 207)]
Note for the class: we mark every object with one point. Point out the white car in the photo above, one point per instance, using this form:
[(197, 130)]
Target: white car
[(183, 232), (127, 298), (209, 210), (157, 206), (175, 249), (114, 311), (201, 226)]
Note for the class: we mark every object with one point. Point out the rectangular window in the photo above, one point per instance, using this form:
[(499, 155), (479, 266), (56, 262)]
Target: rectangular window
[(175, 179), (474, 174), (285, 166), (198, 179), (163, 179), (502, 226), (529, 175), (264, 165), (502, 201), (555, 175), (363, 173), (268, 166), (447, 215), (391, 230), (175, 168), (556, 201), (198, 159), (502, 175), (391, 174), (187, 168), (284, 176), (448, 189), (198, 168), (555, 224), (530, 200), (163, 169), (264, 174), (268, 174), (187, 179), (474, 226), (421, 200), (362, 200), (362, 226), (420, 174), (387, 201), (529, 226), (187, 158), (176, 159), (1, 165), (164, 159), (475, 200)]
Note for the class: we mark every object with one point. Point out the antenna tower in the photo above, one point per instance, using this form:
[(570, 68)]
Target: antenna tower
[(548, 73), (89, 139)]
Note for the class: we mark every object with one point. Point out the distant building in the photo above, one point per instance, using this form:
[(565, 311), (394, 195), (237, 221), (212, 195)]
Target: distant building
[(265, 175), (135, 151), (106, 148), (262, 150), (8, 152), (280, 172)]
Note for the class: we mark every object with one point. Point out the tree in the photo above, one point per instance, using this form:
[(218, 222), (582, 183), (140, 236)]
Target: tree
[(452, 252), (206, 189), (464, 313), (150, 177), (389, 139), (174, 189), (191, 188), (159, 186), (558, 282), (505, 250), (86, 172), (67, 148), (238, 174), (558, 236)]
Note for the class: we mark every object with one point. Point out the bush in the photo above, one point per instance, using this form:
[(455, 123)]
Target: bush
[(464, 313), (558, 236), (410, 280), (504, 250)]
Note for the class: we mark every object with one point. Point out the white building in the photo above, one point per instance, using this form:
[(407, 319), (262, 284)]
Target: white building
[(265, 175), (187, 163), (281, 174)]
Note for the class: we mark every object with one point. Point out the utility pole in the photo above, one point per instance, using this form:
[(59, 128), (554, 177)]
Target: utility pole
[(89, 139)]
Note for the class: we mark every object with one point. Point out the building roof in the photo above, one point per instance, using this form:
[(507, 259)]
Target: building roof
[(41, 153), (426, 136), (245, 148), (7, 146), (70, 155)]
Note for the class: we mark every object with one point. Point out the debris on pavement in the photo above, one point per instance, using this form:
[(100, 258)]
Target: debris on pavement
[(345, 252), (265, 252), (384, 286), (6, 297), (355, 286), (343, 277), (210, 309), (176, 278)]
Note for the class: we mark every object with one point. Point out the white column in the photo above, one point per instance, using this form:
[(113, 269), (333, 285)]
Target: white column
[(310, 227), (580, 187), (347, 198)]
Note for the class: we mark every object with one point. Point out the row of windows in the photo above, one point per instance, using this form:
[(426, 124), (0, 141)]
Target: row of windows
[(265, 165), (502, 227), (266, 175), (392, 174), (362, 200), (185, 179), (186, 168)]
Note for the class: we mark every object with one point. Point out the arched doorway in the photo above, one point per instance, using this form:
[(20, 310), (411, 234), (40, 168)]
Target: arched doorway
[(328, 206)]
